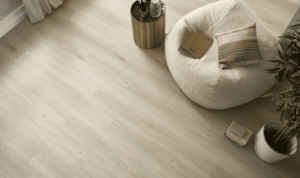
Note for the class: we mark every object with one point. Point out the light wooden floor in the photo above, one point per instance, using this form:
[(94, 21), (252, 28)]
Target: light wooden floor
[(79, 99)]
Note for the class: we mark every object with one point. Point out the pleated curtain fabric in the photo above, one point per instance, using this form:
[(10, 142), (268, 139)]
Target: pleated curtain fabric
[(38, 9)]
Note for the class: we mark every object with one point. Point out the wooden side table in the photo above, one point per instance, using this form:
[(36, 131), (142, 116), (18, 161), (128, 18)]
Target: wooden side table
[(148, 32)]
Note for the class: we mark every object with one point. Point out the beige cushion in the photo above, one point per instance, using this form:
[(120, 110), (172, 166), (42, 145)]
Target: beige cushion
[(238, 48)]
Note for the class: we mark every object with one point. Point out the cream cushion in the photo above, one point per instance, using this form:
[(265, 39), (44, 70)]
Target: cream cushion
[(201, 79)]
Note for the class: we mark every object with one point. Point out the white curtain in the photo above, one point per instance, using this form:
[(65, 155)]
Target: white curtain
[(37, 9)]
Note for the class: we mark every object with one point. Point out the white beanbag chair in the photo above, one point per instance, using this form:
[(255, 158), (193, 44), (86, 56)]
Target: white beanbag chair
[(201, 79)]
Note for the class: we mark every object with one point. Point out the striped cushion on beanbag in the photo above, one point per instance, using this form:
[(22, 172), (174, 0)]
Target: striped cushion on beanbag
[(238, 48)]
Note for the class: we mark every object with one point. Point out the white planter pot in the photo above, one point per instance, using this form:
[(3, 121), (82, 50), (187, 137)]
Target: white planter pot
[(265, 151)]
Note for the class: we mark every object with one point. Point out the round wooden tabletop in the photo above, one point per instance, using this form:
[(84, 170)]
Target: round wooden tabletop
[(148, 32)]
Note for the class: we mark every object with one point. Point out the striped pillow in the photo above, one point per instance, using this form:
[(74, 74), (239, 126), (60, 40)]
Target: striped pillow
[(238, 48)]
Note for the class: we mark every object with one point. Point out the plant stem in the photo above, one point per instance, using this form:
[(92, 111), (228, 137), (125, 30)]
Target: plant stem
[(281, 129), (284, 130)]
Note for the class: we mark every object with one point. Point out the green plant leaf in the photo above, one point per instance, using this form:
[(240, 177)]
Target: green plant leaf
[(297, 47), (287, 73), (281, 118), (275, 61), (296, 74), (286, 55), (295, 31), (280, 54), (294, 70), (290, 135), (270, 94), (294, 26), (276, 78), (273, 70), (288, 77), (281, 75), (289, 45)]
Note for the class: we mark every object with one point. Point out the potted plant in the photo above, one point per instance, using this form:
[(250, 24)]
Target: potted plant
[(275, 142)]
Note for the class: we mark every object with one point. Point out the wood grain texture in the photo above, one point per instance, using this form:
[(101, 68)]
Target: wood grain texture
[(79, 99)]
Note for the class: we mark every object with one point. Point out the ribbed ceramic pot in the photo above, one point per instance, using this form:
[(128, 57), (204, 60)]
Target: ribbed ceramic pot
[(265, 151)]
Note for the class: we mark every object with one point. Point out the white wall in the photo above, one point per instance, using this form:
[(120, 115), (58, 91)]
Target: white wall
[(11, 17), (8, 6)]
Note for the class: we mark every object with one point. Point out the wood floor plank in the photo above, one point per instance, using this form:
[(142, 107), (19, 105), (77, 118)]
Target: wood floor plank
[(79, 99)]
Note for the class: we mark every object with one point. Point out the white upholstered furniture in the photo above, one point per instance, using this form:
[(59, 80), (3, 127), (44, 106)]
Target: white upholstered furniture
[(201, 79)]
